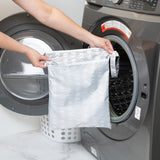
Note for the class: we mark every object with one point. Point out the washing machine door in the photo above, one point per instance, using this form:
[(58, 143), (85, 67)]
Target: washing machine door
[(129, 93), (24, 88)]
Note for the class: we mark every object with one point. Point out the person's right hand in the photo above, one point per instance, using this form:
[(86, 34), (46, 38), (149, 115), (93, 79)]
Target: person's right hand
[(95, 41), (36, 58)]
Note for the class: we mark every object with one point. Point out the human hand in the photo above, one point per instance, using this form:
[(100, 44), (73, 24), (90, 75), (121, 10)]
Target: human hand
[(36, 58), (101, 43)]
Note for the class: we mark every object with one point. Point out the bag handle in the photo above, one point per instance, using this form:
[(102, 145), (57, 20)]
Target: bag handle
[(114, 64)]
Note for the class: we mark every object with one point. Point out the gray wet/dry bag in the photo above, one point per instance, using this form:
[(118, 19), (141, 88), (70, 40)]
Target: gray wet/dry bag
[(79, 87)]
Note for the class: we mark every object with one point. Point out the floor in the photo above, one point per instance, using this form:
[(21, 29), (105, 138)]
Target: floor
[(35, 146)]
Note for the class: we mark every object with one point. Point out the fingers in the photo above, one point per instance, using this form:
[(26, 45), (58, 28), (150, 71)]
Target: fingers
[(39, 64), (44, 58), (42, 66), (103, 43), (108, 46), (40, 61)]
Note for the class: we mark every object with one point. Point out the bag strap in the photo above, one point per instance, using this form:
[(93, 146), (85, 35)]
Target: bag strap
[(114, 64)]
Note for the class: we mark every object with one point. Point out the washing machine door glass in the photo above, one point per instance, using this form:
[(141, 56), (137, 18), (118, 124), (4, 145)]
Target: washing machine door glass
[(19, 77)]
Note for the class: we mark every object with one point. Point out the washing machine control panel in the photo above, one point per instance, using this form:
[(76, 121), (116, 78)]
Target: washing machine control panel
[(148, 5), (142, 6)]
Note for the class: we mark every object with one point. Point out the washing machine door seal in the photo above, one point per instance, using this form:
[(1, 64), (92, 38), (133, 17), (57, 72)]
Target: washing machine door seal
[(24, 88)]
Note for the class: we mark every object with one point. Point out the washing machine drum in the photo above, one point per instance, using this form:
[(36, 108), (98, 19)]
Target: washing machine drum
[(24, 88)]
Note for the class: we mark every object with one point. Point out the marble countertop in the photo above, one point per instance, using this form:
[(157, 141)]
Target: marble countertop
[(35, 146)]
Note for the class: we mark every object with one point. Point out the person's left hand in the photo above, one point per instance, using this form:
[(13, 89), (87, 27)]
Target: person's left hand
[(36, 58), (101, 43)]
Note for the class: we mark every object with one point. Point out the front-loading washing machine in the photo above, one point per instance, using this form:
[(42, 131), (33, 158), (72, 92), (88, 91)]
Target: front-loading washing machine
[(24, 88), (134, 30)]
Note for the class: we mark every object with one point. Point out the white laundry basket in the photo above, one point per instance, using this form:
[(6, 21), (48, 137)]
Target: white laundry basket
[(68, 135)]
